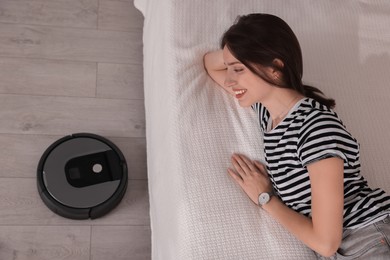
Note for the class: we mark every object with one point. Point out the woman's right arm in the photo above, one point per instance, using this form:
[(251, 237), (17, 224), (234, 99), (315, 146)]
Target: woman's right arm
[(216, 68)]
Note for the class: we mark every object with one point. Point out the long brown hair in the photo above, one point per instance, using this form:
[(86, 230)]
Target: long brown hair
[(258, 40)]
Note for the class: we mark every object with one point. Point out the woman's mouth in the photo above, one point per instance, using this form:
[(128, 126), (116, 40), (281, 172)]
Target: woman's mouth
[(239, 93)]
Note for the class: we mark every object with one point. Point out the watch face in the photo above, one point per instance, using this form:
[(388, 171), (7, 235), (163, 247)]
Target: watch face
[(263, 198)]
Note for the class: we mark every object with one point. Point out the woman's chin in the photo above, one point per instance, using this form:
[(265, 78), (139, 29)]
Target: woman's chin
[(244, 104)]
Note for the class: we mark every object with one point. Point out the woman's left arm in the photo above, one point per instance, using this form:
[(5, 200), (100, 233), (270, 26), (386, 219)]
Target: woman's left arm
[(327, 201), (323, 232)]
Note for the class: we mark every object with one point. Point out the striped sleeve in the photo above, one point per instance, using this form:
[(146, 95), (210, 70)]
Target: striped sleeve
[(262, 115), (324, 136)]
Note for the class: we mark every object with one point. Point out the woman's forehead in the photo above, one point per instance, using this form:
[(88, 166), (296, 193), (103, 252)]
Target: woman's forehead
[(229, 58)]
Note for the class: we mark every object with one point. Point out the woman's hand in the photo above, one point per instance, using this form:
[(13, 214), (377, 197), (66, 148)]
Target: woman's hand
[(251, 176), (216, 69)]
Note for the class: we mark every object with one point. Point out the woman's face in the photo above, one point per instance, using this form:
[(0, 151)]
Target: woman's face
[(248, 88)]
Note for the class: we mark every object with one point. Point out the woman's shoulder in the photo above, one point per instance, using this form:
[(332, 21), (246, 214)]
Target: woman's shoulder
[(314, 115), (312, 109), (311, 106)]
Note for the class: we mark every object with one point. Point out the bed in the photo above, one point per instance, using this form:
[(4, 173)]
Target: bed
[(193, 127)]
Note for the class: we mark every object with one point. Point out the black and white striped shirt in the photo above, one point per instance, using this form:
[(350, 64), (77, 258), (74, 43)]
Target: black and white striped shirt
[(311, 132)]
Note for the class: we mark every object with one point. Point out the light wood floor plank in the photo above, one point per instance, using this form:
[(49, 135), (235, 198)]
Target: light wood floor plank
[(119, 15), (120, 243), (44, 243), (70, 44), (47, 77), (120, 81), (63, 116), (69, 66), (69, 13), (21, 204), (22, 155)]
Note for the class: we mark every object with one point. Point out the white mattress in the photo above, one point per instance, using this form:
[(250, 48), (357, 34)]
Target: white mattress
[(193, 127)]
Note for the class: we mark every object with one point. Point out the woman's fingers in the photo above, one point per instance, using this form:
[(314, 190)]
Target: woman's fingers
[(248, 163), (235, 176), (242, 164), (250, 175), (261, 167), (238, 165)]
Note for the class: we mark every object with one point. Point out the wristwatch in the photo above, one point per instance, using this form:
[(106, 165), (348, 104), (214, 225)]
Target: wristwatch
[(264, 198)]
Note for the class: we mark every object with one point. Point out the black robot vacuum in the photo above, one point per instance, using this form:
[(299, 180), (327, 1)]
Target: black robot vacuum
[(82, 176)]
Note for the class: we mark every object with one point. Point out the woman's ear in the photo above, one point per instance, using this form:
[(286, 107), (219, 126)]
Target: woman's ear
[(278, 63), (276, 70)]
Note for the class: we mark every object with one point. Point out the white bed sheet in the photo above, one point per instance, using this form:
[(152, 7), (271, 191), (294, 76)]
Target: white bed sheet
[(196, 210)]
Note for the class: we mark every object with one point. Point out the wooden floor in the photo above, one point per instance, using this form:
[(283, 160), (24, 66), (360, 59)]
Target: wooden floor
[(69, 66)]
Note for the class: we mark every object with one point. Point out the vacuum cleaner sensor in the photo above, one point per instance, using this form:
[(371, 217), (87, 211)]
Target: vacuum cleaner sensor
[(82, 176)]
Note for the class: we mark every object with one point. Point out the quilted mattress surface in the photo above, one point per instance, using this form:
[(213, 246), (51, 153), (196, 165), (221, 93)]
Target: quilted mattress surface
[(193, 127)]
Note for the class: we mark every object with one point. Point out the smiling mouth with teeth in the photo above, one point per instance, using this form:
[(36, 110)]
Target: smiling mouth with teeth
[(240, 93)]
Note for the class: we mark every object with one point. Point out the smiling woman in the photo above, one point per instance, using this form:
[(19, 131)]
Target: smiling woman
[(311, 182), (255, 87)]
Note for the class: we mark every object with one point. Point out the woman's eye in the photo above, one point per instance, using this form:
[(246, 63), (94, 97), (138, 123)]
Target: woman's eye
[(238, 70)]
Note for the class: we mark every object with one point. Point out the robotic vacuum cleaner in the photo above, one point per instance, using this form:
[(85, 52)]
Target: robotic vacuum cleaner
[(82, 176)]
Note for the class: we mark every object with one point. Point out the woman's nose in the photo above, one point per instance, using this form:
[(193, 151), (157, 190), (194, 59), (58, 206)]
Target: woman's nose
[(229, 82)]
